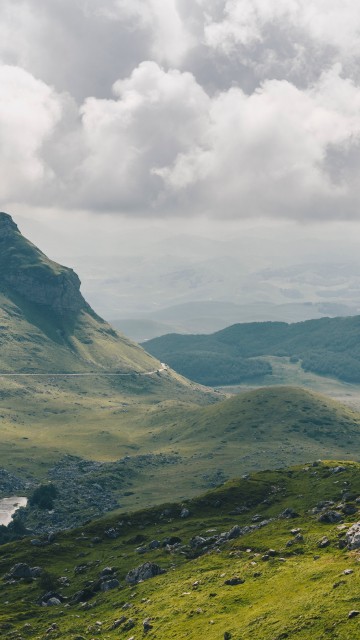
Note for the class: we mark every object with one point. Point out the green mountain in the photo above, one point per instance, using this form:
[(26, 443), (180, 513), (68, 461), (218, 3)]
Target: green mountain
[(328, 346), (45, 323), (271, 556)]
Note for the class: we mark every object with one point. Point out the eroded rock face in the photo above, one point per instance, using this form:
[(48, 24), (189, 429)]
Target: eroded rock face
[(26, 271), (353, 537)]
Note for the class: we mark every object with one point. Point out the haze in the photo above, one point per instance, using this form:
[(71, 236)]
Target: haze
[(187, 151)]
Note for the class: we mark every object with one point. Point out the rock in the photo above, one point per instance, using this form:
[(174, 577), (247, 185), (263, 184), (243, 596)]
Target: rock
[(227, 635), (147, 625), (324, 542), (141, 550), (353, 614), (154, 544), (185, 513), (112, 533), (53, 602), (96, 540), (20, 570), (36, 572), (36, 542), (330, 517), (338, 469), (118, 623), (288, 514), (349, 509), (130, 624), (109, 584), (144, 572), (353, 537), (348, 572), (232, 582), (235, 532), (107, 571)]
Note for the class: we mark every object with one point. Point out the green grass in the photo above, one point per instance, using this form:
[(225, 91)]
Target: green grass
[(107, 418), (294, 597)]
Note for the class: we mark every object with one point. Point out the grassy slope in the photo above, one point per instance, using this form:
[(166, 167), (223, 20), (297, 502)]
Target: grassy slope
[(28, 345), (104, 419), (302, 592), (329, 346)]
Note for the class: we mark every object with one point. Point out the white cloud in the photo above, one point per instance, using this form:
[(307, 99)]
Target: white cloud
[(29, 112), (157, 115)]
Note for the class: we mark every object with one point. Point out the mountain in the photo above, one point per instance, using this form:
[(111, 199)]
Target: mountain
[(327, 346), (45, 323), (270, 556), (209, 316)]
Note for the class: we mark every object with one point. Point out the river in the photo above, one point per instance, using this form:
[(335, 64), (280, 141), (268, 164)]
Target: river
[(8, 506)]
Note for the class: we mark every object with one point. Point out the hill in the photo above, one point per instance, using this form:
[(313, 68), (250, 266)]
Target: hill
[(45, 323), (328, 346), (270, 556), (107, 447)]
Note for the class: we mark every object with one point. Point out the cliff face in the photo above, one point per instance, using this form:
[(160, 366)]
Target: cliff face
[(26, 271)]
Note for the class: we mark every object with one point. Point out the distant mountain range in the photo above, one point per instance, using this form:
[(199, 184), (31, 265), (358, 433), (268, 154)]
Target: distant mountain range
[(328, 346)]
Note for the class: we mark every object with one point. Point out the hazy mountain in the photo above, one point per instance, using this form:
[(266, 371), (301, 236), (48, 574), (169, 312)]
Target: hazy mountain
[(328, 346), (46, 325)]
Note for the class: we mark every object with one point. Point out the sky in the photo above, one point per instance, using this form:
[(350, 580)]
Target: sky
[(122, 122)]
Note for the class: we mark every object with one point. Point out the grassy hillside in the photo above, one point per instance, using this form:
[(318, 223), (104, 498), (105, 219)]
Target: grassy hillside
[(291, 572), (328, 346), (100, 419)]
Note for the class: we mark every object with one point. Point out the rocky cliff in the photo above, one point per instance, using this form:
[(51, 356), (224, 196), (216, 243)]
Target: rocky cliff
[(26, 271)]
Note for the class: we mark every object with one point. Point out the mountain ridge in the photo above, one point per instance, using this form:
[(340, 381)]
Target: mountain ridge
[(45, 323)]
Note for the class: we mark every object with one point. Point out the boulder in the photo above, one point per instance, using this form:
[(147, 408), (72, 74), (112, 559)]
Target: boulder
[(353, 536), (144, 572)]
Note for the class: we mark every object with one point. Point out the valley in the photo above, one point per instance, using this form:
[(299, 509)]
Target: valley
[(110, 448)]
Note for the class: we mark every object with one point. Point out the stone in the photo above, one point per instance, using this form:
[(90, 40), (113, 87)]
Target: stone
[(324, 542), (154, 544), (353, 537), (144, 572), (109, 584), (330, 517), (185, 513), (288, 514), (235, 532), (232, 582), (53, 602), (353, 613), (20, 570), (147, 625), (107, 571), (117, 623)]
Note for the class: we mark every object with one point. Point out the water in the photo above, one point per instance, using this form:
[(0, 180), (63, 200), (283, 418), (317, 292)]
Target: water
[(8, 506)]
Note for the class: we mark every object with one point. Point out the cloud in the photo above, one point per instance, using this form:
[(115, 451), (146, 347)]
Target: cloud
[(29, 113), (232, 108)]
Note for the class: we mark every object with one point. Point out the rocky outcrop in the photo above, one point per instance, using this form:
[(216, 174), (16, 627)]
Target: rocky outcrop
[(27, 272)]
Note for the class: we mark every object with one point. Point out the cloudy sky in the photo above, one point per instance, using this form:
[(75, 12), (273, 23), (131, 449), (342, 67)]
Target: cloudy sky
[(153, 114)]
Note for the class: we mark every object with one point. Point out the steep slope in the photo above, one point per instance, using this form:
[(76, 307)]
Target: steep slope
[(269, 557), (328, 346), (45, 323)]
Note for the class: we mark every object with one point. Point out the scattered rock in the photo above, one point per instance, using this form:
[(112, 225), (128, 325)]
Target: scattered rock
[(353, 537), (324, 542), (109, 584), (288, 514), (144, 572), (185, 513), (232, 582), (330, 517), (147, 625), (353, 614)]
